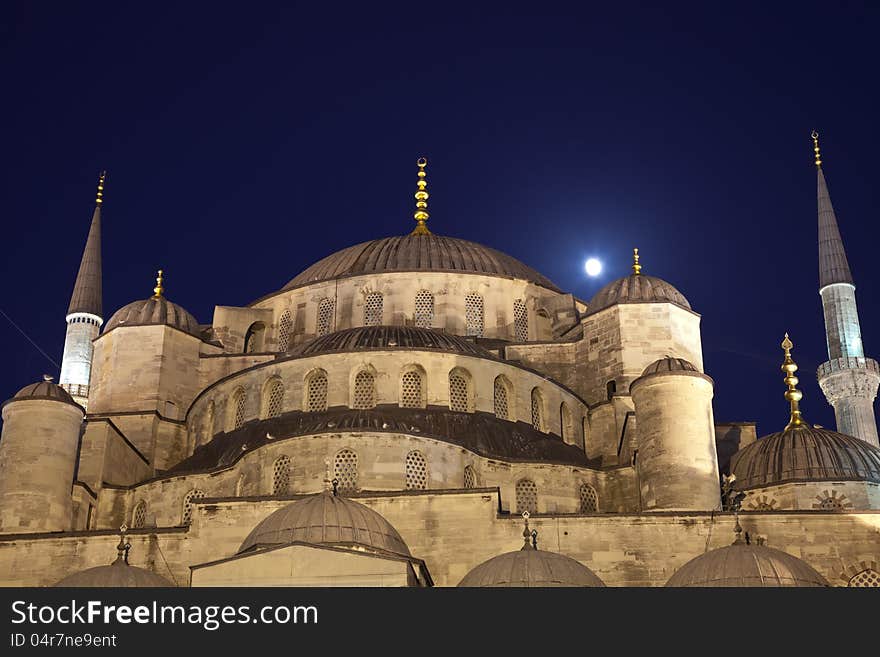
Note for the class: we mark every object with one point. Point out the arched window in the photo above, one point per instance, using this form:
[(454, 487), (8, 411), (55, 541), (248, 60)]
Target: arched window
[(566, 424), (868, 578), (316, 392), (412, 389), (345, 470), (281, 475), (526, 496), (520, 321), (273, 398), (502, 398), (236, 409), (460, 391), (139, 515), (416, 469), (424, 315), (537, 410), (373, 309), (610, 389), (364, 394), (253, 339), (285, 324), (470, 477), (589, 500), (326, 309), (473, 314), (194, 494)]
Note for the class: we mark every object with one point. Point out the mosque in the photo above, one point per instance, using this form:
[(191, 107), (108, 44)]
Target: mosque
[(422, 410)]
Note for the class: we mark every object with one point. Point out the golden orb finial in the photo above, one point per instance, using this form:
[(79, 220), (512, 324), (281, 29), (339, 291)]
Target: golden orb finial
[(100, 198), (793, 395), (158, 290), (637, 268), (421, 214), (815, 136)]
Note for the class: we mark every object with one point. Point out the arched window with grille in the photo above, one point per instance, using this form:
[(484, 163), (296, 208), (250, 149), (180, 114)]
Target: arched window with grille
[(281, 475), (473, 314), (589, 500), (526, 496), (285, 325), (868, 578), (412, 388), (364, 393), (460, 393), (520, 321), (326, 311), (273, 398), (188, 499), (538, 410), (566, 423), (424, 314), (470, 477), (139, 515), (503, 398), (253, 339), (373, 309), (345, 470), (416, 471), (237, 409), (316, 392)]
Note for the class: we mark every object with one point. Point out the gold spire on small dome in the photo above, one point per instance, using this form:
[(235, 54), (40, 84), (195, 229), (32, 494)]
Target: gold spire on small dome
[(99, 200), (421, 214), (158, 290), (793, 395), (815, 136), (637, 268)]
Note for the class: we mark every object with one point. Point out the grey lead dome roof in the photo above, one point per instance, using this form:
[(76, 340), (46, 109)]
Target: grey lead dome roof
[(743, 565), (669, 364), (637, 288), (417, 253), (805, 453), (531, 568), (117, 575), (45, 390), (388, 337), (329, 519), (152, 311)]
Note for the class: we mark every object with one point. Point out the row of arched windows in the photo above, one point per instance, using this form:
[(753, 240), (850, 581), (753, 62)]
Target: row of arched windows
[(526, 493)]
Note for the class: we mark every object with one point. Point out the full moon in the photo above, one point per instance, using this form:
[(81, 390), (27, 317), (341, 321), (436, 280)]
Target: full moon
[(593, 267)]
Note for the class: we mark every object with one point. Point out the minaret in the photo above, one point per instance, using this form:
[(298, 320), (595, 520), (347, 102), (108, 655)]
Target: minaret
[(848, 379), (84, 313)]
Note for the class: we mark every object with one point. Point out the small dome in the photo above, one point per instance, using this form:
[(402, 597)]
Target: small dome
[(805, 453), (117, 575), (151, 311), (417, 253), (388, 337), (531, 568), (45, 389), (637, 288), (329, 519), (669, 364), (742, 565)]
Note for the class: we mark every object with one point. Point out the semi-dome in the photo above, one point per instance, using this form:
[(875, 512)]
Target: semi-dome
[(45, 389), (805, 453), (155, 310), (388, 337), (426, 252), (328, 519), (744, 565), (637, 288), (669, 364)]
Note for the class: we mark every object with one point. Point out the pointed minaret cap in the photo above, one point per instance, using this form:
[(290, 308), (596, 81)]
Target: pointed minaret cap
[(833, 265), (87, 291)]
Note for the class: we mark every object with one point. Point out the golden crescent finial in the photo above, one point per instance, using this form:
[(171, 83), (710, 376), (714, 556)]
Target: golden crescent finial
[(637, 268), (421, 214), (793, 395), (815, 136), (158, 290), (99, 200)]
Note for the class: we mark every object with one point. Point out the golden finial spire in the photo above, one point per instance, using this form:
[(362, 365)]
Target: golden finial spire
[(100, 198), (637, 268), (793, 395), (158, 290), (421, 214), (815, 136)]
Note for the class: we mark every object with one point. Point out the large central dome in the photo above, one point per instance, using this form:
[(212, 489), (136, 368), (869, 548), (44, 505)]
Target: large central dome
[(418, 253)]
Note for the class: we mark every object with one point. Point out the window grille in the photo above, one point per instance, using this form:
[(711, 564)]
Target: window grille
[(316, 400), (520, 321), (373, 307), (194, 494), (325, 316), (364, 391), (139, 516), (470, 477), (281, 475), (424, 315), (537, 410), (238, 409), (458, 393), (275, 399), (526, 496), (416, 471), (285, 324), (588, 498), (411, 390), (867, 578), (345, 470), (502, 405), (473, 312)]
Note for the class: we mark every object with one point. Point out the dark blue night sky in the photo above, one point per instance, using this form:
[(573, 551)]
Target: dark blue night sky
[(244, 144)]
